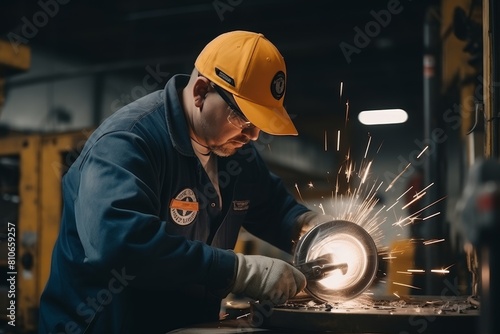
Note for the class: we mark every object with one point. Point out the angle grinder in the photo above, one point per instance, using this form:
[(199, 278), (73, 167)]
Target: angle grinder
[(339, 259)]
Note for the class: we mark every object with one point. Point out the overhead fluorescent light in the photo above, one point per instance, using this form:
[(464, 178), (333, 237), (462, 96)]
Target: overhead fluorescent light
[(383, 116)]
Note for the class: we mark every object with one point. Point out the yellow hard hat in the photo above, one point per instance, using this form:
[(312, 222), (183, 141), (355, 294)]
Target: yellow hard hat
[(251, 68)]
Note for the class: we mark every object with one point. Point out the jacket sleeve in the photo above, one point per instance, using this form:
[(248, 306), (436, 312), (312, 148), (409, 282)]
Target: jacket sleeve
[(117, 217)]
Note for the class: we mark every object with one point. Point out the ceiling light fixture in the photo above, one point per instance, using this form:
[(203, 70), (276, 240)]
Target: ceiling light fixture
[(383, 116)]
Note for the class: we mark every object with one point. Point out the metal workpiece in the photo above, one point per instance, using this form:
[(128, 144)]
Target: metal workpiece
[(415, 314), (339, 259)]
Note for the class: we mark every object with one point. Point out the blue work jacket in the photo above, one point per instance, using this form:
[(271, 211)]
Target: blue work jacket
[(144, 246)]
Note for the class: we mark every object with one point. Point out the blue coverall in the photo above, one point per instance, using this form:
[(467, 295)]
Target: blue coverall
[(144, 246)]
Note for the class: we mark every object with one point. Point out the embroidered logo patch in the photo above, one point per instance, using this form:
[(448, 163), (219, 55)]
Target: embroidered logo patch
[(224, 77), (184, 207), (278, 85)]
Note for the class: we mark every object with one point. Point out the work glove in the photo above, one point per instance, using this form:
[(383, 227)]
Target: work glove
[(264, 278)]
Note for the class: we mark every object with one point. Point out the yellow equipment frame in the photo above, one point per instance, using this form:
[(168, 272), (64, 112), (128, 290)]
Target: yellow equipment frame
[(43, 160)]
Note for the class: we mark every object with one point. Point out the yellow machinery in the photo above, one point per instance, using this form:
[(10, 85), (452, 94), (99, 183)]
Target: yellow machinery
[(30, 190)]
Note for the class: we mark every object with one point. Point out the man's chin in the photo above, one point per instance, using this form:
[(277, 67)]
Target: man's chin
[(225, 150)]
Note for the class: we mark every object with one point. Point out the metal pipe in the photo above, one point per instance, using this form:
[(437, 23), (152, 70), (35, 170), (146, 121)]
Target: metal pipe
[(489, 248), (426, 258), (494, 16)]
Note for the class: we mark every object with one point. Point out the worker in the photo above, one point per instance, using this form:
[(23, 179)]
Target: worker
[(154, 203)]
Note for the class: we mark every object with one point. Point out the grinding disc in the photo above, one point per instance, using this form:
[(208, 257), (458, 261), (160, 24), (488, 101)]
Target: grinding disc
[(343, 243)]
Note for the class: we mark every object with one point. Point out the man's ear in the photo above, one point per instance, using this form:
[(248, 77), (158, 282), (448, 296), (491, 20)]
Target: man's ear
[(200, 90)]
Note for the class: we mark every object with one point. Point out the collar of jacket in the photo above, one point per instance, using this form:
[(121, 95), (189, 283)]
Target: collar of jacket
[(174, 113)]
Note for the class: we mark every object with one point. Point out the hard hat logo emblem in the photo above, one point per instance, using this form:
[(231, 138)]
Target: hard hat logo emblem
[(278, 85)]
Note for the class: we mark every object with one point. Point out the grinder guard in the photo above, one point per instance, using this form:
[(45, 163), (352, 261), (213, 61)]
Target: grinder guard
[(343, 242)]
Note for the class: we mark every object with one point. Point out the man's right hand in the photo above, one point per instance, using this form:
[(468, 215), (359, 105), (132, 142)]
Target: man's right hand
[(264, 278)]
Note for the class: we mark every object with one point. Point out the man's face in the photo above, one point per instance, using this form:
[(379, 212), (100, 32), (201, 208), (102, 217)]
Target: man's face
[(225, 129)]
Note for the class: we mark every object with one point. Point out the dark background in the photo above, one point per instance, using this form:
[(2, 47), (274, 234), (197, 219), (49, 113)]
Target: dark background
[(384, 71), (373, 48)]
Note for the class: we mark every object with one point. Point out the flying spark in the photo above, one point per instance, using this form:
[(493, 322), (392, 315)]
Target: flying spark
[(404, 272), (421, 191), (425, 148), (432, 241), (243, 316), (404, 193), (412, 218), (368, 145), (397, 177), (326, 141), (380, 210), (392, 206), (338, 140), (346, 112), (407, 285), (433, 215), (442, 270), (366, 172), (321, 207), (413, 200), (349, 171), (356, 199), (298, 191)]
